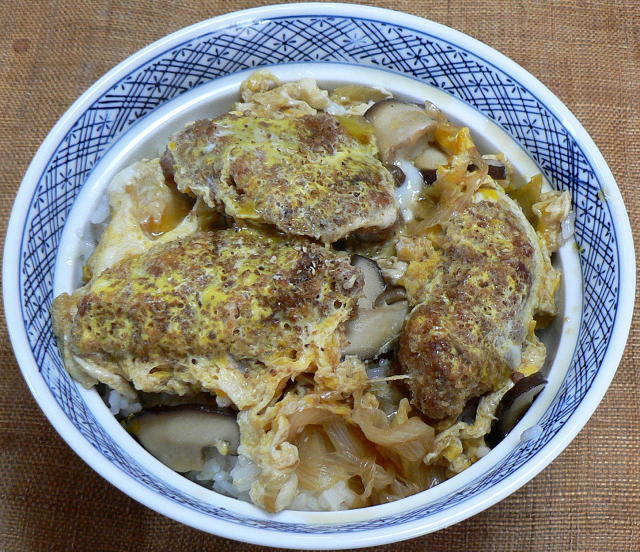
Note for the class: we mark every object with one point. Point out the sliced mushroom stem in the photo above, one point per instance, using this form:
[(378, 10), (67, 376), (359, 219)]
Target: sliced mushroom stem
[(373, 331), (430, 157), (373, 281)]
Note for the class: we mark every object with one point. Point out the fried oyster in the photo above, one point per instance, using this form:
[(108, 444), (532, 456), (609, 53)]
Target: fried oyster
[(312, 175), (233, 312)]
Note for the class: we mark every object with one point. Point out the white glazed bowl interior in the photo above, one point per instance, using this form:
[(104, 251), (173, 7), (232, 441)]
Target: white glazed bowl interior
[(578, 373), (148, 138)]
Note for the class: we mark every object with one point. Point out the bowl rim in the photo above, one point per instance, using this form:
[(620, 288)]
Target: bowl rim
[(104, 467)]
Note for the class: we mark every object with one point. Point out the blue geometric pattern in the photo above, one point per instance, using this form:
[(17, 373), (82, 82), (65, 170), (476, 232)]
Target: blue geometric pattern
[(321, 39)]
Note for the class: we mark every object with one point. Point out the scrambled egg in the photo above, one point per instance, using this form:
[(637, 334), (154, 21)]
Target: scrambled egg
[(144, 212)]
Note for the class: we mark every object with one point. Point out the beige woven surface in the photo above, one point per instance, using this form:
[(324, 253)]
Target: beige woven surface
[(587, 52)]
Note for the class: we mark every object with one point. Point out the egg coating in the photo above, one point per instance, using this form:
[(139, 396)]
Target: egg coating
[(469, 330), (234, 312), (311, 175)]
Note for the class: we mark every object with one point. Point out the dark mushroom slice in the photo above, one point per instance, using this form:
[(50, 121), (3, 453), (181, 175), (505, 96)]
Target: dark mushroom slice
[(179, 435), (375, 234), (496, 169), (398, 174), (381, 314), (429, 175), (156, 400), (397, 125), (468, 415), (514, 405), (391, 295)]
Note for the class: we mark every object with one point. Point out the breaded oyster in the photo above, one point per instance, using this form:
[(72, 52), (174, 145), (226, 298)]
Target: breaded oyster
[(313, 175), (474, 323), (235, 312)]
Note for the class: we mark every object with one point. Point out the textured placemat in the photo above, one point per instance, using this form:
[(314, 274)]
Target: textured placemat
[(588, 53)]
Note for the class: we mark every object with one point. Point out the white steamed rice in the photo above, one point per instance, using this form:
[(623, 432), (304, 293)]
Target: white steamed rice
[(226, 474)]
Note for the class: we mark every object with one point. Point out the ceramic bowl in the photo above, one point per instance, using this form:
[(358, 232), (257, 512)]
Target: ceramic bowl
[(195, 72)]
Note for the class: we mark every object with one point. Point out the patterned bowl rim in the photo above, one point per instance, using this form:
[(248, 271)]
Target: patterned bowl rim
[(326, 540)]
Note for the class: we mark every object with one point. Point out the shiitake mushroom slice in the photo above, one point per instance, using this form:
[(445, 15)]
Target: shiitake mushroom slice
[(179, 435), (514, 405), (381, 313)]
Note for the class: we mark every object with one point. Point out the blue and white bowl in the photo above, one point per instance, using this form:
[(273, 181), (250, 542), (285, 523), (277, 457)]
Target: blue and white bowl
[(195, 72)]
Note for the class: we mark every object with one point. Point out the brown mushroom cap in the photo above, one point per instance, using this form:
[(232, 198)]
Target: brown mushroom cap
[(496, 169)]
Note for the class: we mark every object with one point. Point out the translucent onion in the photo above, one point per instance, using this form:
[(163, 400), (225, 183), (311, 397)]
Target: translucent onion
[(318, 468), (411, 439), (377, 458), (567, 227), (345, 441), (358, 457), (306, 417)]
